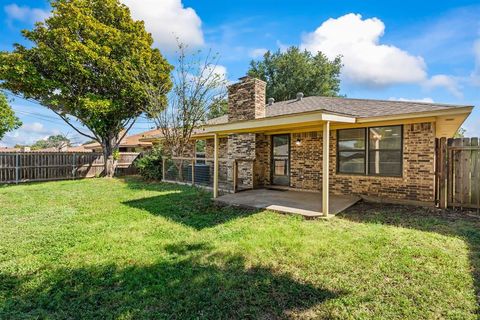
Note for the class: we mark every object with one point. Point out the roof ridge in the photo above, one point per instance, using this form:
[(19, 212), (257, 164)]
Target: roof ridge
[(373, 100)]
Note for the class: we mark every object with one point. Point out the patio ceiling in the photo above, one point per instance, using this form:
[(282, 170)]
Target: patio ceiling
[(309, 119)]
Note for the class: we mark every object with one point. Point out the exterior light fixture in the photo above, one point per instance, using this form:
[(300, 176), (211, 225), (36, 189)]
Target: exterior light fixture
[(298, 142)]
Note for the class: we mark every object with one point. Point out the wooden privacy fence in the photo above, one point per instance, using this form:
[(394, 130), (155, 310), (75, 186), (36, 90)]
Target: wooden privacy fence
[(458, 173), (17, 167)]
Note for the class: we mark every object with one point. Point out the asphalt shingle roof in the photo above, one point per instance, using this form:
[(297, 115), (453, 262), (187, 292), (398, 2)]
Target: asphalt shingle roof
[(359, 108)]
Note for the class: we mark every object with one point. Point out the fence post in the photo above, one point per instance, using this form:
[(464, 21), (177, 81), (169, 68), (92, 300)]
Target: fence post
[(163, 168), (235, 175), (74, 166), (442, 172), (16, 168), (193, 171)]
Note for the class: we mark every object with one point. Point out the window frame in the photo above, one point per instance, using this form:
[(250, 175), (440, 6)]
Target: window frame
[(366, 171), (365, 151)]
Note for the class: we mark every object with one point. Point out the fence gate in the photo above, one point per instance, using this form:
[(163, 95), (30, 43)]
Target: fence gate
[(458, 173)]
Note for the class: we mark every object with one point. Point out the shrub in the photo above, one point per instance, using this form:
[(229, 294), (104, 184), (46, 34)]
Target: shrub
[(150, 165)]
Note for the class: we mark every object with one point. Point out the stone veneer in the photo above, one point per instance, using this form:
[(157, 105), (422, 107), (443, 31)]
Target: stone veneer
[(241, 147), (246, 99)]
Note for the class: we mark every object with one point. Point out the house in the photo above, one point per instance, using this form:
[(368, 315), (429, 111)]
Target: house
[(8, 149), (130, 143), (374, 149), (52, 149), (64, 149)]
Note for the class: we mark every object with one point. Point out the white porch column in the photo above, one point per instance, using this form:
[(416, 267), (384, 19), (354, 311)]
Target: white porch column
[(325, 166), (215, 167)]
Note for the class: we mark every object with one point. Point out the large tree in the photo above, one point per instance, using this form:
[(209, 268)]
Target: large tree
[(8, 120), (89, 61), (293, 71)]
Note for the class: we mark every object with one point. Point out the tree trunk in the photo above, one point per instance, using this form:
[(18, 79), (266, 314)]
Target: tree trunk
[(109, 164)]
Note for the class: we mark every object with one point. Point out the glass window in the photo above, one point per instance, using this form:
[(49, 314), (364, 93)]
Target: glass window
[(384, 147), (351, 151), (385, 151)]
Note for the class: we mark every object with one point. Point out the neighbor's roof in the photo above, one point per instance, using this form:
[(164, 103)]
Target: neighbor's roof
[(359, 108), (134, 140), (7, 149), (67, 149)]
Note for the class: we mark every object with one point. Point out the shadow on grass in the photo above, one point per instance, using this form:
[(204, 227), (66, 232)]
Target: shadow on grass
[(187, 205), (185, 286), (424, 219)]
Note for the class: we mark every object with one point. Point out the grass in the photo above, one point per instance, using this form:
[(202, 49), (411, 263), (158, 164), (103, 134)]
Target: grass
[(126, 249)]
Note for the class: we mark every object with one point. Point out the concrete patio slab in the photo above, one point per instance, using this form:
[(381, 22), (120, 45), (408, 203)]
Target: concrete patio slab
[(307, 204)]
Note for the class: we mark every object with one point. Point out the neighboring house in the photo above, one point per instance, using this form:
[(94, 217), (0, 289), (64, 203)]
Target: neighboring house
[(64, 149), (52, 149), (130, 143), (8, 149), (383, 150)]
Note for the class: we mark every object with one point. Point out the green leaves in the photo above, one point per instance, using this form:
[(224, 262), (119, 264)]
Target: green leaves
[(57, 141), (87, 60), (293, 71), (8, 120)]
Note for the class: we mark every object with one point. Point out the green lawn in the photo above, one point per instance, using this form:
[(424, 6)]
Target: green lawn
[(125, 249)]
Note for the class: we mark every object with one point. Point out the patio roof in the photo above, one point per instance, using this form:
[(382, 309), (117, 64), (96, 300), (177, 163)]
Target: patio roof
[(304, 119)]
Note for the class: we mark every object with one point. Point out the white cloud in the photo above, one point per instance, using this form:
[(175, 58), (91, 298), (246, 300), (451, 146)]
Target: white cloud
[(366, 61), (443, 81), (166, 20), (257, 53), (221, 71), (25, 13), (426, 100), (282, 46), (28, 133)]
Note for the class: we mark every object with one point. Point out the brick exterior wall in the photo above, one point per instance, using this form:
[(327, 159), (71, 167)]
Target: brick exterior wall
[(262, 161), (306, 161), (418, 180), (416, 184), (246, 99)]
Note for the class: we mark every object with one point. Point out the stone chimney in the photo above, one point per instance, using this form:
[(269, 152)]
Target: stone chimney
[(246, 99)]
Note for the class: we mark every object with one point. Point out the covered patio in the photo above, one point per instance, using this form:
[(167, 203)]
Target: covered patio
[(307, 204), (311, 204)]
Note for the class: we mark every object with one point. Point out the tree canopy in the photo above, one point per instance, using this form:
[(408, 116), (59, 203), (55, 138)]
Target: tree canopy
[(293, 71), (8, 120), (218, 108), (89, 61), (58, 142)]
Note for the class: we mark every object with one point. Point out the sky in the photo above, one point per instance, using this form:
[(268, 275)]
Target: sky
[(399, 50)]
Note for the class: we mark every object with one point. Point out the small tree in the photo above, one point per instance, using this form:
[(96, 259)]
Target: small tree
[(8, 120), (196, 87), (460, 133), (88, 62), (293, 71)]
